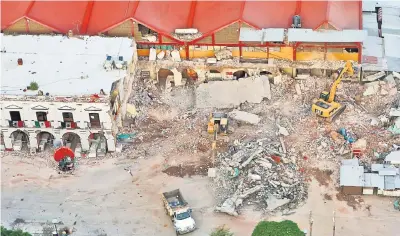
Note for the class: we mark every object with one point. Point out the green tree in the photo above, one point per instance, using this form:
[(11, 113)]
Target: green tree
[(272, 228), (221, 231), (8, 232)]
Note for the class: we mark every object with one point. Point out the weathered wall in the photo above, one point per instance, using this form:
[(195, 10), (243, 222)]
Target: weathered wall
[(229, 94), (229, 34), (122, 30)]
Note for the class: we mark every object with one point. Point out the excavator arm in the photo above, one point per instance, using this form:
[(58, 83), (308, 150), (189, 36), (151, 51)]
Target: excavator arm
[(348, 67)]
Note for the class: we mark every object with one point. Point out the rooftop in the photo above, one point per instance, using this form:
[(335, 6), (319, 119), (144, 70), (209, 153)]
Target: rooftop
[(60, 65)]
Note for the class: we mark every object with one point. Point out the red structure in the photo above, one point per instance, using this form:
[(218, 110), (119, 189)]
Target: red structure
[(94, 17), (218, 21)]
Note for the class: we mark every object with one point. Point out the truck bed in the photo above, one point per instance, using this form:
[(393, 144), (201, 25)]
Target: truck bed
[(174, 198)]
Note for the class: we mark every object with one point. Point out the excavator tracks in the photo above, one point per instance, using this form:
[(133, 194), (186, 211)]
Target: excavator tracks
[(337, 113)]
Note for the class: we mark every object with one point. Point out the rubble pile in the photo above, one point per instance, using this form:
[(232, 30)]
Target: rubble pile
[(258, 172), (187, 37)]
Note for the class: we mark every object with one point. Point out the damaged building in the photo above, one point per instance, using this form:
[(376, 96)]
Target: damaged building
[(55, 91), (291, 30)]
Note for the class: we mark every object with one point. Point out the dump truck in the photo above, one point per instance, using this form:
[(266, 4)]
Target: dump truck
[(177, 208)]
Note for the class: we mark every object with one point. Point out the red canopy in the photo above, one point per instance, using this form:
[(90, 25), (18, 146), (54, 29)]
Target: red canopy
[(93, 17), (63, 152)]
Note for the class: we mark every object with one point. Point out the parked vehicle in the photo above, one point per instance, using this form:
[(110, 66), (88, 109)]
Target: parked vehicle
[(177, 208)]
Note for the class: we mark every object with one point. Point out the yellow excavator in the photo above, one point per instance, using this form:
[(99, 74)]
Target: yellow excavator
[(217, 124), (326, 106)]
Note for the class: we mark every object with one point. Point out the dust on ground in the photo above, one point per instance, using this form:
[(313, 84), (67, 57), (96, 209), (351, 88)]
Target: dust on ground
[(172, 150)]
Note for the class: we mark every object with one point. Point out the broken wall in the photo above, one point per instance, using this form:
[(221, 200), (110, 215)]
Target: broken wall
[(229, 94)]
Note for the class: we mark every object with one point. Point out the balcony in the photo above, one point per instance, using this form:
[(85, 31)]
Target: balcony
[(95, 125), (16, 124), (69, 125), (42, 124)]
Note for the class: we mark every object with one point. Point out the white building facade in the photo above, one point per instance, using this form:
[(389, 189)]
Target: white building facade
[(67, 122)]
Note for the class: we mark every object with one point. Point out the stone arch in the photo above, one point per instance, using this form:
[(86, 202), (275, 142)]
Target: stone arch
[(214, 75), (165, 77), (19, 140), (98, 144), (71, 140), (45, 140), (240, 74)]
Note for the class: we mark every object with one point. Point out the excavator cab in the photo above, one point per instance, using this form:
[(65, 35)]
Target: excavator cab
[(326, 106), (218, 123)]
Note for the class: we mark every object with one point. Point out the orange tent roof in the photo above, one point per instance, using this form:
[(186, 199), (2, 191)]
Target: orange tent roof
[(93, 17)]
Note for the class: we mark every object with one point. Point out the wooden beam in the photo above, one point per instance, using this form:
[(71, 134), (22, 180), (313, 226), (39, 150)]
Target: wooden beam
[(192, 12), (134, 8), (298, 7), (86, 17), (28, 10)]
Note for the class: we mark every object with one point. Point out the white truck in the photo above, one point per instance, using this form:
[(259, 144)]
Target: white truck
[(177, 208)]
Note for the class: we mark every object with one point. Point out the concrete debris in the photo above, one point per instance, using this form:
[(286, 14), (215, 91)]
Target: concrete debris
[(283, 131), (262, 180), (230, 94), (298, 89), (267, 87), (161, 55), (278, 79), (396, 75), (211, 60), (223, 54), (150, 38), (177, 77), (176, 56), (372, 88), (152, 54), (187, 36), (244, 117), (212, 172), (376, 76), (390, 80)]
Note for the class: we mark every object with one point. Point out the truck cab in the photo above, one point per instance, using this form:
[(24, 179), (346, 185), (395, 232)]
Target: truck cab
[(181, 214), (183, 221)]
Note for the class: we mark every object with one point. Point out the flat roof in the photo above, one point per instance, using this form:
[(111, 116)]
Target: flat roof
[(372, 180), (352, 176), (60, 65), (326, 36), (262, 35)]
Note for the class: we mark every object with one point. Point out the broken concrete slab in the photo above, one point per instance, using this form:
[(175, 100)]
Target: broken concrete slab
[(274, 202), (211, 60), (390, 80), (297, 88), (375, 76), (372, 88), (161, 55), (175, 55), (212, 172), (244, 117), (283, 131), (230, 94), (177, 77), (152, 54), (266, 86), (278, 79), (396, 75)]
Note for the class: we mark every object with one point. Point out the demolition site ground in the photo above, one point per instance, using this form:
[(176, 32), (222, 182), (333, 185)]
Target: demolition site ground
[(284, 166)]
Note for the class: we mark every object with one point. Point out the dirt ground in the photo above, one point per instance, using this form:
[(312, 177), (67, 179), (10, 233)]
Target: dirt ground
[(172, 150)]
